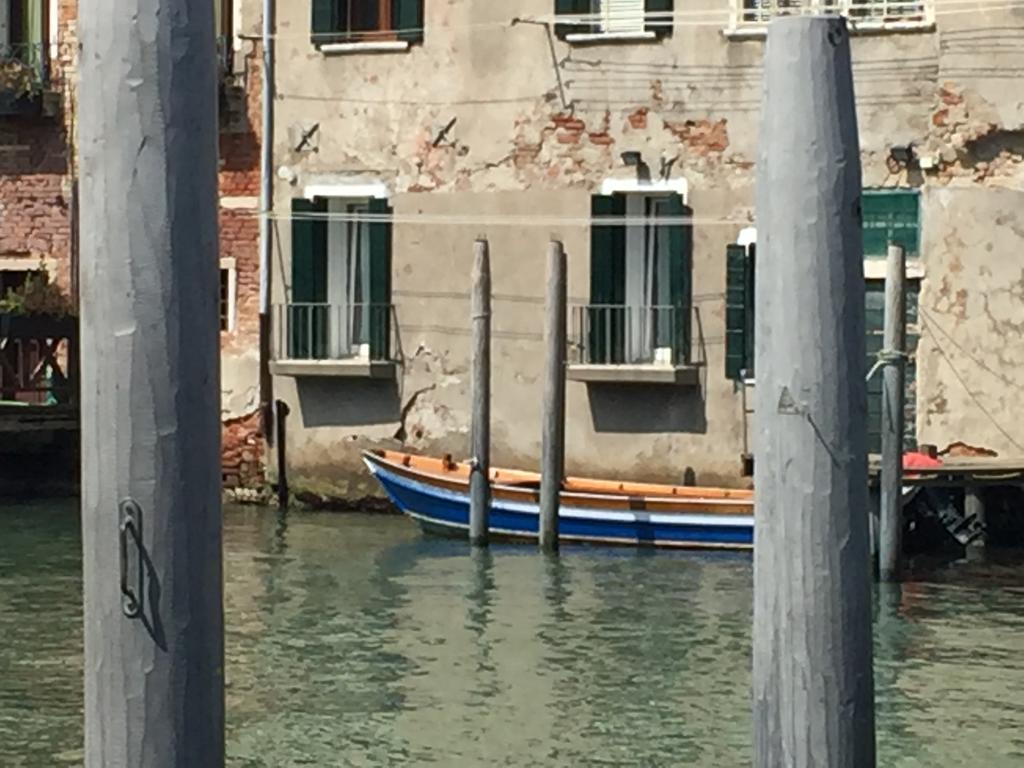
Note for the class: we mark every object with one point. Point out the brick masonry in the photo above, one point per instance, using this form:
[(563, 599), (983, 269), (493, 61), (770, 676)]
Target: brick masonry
[(37, 172)]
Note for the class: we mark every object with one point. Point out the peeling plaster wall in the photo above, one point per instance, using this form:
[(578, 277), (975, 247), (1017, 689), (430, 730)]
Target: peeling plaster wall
[(534, 135), (971, 355)]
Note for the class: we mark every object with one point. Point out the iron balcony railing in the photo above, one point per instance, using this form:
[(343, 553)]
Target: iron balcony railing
[(615, 334), (321, 331), (862, 13)]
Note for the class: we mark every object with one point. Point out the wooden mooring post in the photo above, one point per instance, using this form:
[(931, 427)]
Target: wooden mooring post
[(893, 359), (150, 367), (480, 474), (553, 444), (813, 698), (281, 412)]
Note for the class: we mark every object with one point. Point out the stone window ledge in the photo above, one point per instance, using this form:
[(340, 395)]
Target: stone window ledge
[(682, 375), (343, 369), (375, 46)]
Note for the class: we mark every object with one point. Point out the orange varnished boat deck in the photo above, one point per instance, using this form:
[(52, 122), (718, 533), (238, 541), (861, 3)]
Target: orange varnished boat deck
[(448, 470)]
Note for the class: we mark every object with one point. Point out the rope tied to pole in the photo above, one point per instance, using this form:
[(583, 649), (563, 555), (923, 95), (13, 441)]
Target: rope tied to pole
[(884, 358)]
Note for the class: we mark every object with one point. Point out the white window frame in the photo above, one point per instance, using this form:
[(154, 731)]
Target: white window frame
[(625, 23), (741, 27), (228, 263)]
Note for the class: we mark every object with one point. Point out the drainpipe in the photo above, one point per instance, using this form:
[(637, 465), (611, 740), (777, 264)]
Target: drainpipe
[(266, 204)]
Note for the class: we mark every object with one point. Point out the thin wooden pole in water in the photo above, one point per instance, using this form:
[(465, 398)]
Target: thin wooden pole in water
[(150, 362), (812, 667), (553, 446), (890, 558), (281, 411), (479, 478)]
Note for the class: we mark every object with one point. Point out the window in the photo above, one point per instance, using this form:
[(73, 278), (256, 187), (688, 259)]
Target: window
[(24, 41), (639, 310), (587, 19), (341, 281), (890, 216), (367, 21), (863, 14)]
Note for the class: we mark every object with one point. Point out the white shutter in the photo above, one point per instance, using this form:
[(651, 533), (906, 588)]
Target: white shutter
[(622, 16)]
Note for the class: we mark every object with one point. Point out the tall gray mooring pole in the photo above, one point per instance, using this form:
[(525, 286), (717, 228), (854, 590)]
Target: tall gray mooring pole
[(553, 440), (479, 478), (151, 514), (812, 682), (890, 545)]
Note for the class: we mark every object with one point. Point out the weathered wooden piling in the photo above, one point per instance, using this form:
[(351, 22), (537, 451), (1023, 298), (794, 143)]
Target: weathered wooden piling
[(281, 412), (150, 362), (553, 445), (479, 478), (890, 557), (812, 666)]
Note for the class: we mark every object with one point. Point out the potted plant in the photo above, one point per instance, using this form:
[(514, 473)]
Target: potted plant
[(18, 84), (37, 308)]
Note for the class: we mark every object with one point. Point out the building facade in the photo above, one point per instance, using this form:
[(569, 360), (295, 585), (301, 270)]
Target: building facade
[(38, 191), (406, 129)]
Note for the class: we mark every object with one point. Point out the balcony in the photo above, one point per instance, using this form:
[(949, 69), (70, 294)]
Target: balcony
[(623, 344), (23, 76), (334, 340), (751, 17)]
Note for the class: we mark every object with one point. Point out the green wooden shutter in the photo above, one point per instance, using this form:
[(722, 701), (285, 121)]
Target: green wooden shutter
[(607, 325), (739, 311), (306, 318), (380, 282), (890, 216), (661, 25), (325, 23), (407, 19), (680, 258), (572, 8)]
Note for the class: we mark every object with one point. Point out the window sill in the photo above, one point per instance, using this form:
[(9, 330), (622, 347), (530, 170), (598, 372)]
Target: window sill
[(377, 46), (344, 369), (683, 375), (611, 37), (875, 268), (759, 31)]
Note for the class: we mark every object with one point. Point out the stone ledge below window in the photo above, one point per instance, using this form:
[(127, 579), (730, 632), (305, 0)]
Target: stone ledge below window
[(369, 46), (343, 369), (684, 375)]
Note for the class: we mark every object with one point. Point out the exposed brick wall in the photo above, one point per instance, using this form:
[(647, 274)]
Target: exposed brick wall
[(242, 457), (36, 172)]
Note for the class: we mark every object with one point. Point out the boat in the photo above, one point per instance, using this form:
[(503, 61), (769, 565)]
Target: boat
[(435, 492)]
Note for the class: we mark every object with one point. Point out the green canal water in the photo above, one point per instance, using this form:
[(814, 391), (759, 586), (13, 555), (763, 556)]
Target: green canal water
[(354, 641)]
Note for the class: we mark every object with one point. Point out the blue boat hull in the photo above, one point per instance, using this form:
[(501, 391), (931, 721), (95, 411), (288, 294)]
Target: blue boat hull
[(445, 510)]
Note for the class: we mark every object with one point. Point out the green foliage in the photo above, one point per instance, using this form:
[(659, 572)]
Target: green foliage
[(38, 296), (16, 76)]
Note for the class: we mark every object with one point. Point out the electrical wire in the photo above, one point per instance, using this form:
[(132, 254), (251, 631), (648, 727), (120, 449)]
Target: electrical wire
[(501, 220)]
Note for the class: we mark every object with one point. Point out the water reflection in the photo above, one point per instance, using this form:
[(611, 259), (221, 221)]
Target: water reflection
[(355, 641)]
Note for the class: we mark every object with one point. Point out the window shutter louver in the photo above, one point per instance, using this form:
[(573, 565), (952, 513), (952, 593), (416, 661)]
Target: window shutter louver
[(739, 312), (680, 250), (380, 281), (308, 324), (407, 19), (606, 341), (662, 24)]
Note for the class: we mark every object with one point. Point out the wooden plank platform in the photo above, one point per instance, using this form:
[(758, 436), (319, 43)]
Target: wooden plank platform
[(958, 472)]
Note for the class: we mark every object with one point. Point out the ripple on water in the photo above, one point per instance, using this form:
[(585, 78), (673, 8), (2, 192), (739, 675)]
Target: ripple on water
[(354, 641)]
